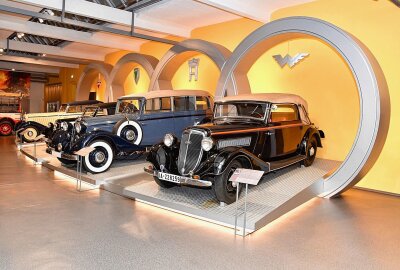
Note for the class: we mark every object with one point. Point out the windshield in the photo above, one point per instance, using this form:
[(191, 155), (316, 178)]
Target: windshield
[(241, 109), (128, 105), (63, 108), (89, 111)]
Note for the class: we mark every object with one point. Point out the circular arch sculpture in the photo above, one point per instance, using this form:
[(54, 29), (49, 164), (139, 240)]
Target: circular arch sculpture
[(122, 69), (87, 77), (371, 84), (180, 52)]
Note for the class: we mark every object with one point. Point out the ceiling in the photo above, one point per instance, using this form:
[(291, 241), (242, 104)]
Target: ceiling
[(84, 35)]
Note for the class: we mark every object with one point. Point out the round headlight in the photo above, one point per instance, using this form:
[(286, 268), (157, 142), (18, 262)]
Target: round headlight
[(64, 126), (78, 127), (59, 147), (168, 139), (207, 143)]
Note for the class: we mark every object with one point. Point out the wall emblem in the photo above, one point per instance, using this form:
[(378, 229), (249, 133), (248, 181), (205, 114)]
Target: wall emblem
[(194, 68), (136, 75), (290, 61)]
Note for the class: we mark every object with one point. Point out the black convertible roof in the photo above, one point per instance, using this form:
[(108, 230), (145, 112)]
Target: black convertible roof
[(83, 102), (107, 105)]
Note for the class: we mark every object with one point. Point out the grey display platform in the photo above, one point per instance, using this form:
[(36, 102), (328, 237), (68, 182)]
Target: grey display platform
[(276, 194), (120, 169)]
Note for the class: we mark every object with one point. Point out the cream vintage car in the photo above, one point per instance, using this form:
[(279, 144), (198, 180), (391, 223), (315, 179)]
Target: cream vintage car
[(36, 123)]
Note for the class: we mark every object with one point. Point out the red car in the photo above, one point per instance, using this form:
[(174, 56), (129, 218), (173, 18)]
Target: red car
[(7, 122)]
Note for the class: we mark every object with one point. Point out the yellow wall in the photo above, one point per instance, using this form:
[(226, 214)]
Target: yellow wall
[(208, 75), (143, 84)]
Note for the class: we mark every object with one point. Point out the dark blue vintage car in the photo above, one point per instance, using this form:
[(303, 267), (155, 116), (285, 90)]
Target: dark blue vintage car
[(140, 121)]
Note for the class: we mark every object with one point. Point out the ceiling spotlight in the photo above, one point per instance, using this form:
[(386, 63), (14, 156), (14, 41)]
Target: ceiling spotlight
[(20, 35), (13, 69), (43, 54), (72, 76), (1, 50), (49, 11), (40, 20)]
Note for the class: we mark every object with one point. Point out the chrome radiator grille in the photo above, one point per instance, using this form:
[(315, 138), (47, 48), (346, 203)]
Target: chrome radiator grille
[(190, 151)]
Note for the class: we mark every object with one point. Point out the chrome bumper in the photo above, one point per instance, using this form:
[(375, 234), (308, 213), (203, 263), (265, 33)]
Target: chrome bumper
[(183, 180), (62, 155)]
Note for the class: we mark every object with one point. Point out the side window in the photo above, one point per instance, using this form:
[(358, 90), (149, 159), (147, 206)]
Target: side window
[(165, 104), (158, 104), (202, 103), (184, 104), (284, 113)]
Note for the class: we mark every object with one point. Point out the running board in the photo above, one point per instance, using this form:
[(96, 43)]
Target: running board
[(276, 165)]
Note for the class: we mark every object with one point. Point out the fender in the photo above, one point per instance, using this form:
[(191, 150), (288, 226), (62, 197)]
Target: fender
[(119, 144), (216, 164), (40, 128), (169, 155), (314, 132)]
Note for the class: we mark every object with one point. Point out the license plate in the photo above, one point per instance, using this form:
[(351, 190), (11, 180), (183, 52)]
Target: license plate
[(170, 177)]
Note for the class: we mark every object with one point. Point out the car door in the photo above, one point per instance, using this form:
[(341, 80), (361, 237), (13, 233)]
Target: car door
[(284, 132), (157, 120), (184, 113)]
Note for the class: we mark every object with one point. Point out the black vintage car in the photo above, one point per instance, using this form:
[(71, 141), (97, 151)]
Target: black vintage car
[(260, 131)]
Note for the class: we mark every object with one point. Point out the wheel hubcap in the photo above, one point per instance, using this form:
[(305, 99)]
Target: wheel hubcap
[(99, 157), (130, 135), (5, 128)]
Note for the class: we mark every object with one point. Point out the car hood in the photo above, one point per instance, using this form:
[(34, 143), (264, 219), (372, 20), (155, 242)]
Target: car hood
[(107, 119), (226, 128), (33, 115)]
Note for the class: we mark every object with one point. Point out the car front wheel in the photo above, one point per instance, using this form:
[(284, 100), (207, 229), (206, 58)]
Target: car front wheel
[(5, 128), (30, 134), (224, 189), (100, 159)]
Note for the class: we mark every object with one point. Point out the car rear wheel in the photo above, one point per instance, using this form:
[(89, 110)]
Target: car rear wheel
[(163, 184), (224, 189), (100, 159), (6, 128), (311, 151), (30, 134)]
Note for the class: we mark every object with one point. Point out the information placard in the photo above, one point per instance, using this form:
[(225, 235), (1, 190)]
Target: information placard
[(246, 176), (84, 151)]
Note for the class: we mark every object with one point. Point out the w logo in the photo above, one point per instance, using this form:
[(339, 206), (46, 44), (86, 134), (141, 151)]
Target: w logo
[(290, 61)]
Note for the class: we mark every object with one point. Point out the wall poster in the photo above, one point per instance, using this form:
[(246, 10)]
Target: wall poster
[(14, 83)]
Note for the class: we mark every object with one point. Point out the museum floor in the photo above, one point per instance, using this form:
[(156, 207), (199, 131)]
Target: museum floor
[(46, 224)]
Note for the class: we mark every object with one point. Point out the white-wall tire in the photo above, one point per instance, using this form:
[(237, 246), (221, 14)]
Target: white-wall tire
[(30, 134), (101, 146), (136, 126)]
